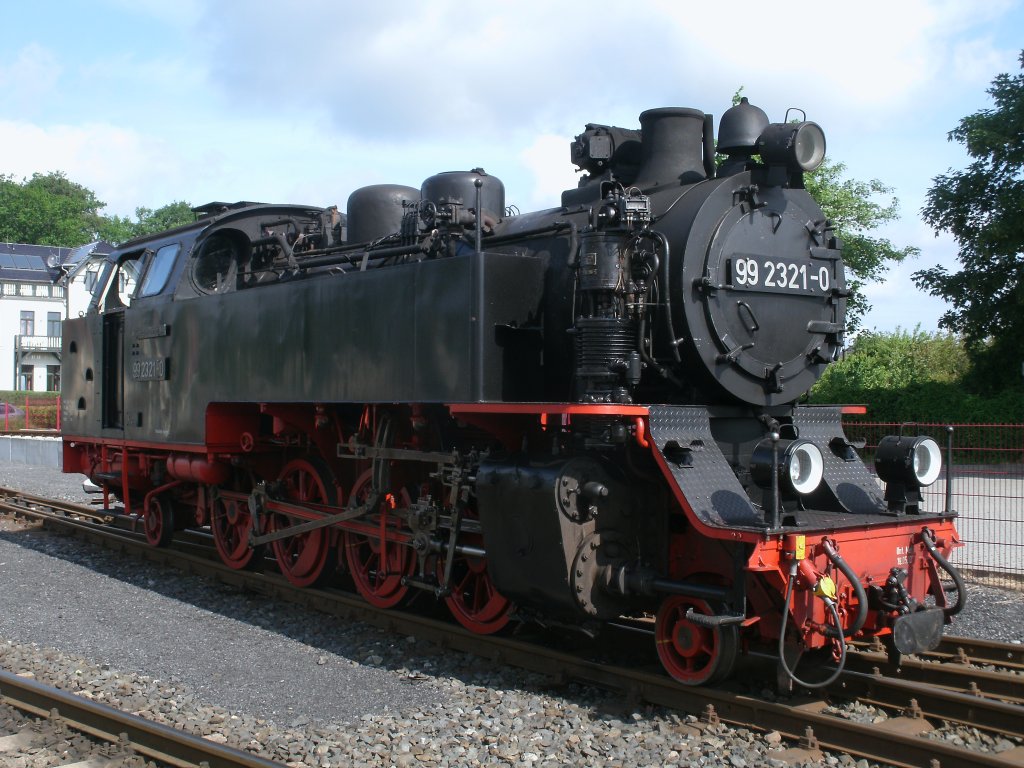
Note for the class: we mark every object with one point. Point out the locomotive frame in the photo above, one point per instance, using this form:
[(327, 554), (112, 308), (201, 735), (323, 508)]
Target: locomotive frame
[(569, 415)]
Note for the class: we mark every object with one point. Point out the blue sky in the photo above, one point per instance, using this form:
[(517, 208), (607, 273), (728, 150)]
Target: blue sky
[(147, 102)]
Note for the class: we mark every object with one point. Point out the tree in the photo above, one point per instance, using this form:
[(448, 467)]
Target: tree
[(892, 361), (854, 208), (981, 207), (48, 209), (117, 229)]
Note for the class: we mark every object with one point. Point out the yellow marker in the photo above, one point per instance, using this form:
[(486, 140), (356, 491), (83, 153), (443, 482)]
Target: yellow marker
[(801, 548), (825, 588)]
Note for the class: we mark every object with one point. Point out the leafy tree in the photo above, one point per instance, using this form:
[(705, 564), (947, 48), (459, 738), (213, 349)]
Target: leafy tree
[(854, 208), (117, 229), (48, 209), (167, 216), (893, 361), (981, 206)]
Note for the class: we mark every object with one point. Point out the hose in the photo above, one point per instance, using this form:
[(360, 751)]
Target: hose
[(928, 539), (858, 588), (782, 637)]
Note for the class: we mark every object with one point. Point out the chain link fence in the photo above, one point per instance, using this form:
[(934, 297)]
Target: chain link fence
[(987, 492)]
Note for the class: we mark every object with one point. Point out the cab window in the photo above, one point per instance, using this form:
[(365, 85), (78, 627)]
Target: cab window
[(120, 282), (158, 270), (215, 269)]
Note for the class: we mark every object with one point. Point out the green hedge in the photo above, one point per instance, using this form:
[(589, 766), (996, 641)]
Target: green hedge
[(930, 401), (917, 376)]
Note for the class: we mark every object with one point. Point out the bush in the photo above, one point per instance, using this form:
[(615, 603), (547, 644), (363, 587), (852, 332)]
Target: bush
[(42, 410), (42, 417), (915, 376)]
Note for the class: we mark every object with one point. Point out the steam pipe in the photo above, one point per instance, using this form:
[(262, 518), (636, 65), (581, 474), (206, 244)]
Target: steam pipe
[(709, 146), (662, 371), (378, 253), (479, 183), (700, 591), (667, 295)]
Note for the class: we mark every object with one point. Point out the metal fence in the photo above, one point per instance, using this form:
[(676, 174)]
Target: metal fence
[(32, 413), (987, 492)]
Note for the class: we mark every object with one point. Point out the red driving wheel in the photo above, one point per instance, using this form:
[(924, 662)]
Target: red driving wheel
[(474, 600), (377, 568), (231, 522), (302, 558)]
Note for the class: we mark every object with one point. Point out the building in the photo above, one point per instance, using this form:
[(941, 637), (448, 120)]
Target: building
[(36, 294)]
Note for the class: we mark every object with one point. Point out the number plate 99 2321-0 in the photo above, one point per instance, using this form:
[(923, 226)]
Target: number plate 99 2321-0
[(149, 369), (758, 273)]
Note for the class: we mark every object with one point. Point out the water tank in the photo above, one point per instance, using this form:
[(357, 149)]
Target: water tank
[(376, 211)]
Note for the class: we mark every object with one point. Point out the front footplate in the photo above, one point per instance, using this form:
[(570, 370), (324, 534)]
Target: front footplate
[(918, 631)]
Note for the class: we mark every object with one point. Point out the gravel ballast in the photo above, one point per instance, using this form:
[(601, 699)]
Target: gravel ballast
[(313, 690)]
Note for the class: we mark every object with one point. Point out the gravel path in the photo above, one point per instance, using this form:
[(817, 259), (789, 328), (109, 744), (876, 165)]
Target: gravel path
[(312, 690), (227, 645)]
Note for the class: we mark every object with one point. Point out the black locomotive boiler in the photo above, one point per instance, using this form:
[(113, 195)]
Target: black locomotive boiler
[(571, 415)]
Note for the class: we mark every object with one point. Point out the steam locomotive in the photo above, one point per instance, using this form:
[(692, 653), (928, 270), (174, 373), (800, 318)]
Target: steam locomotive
[(568, 416)]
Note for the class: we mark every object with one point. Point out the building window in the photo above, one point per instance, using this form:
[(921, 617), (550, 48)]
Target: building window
[(57, 291), (28, 322), (25, 290), (53, 378), (53, 324), (10, 289), (42, 290), (90, 279), (27, 372)]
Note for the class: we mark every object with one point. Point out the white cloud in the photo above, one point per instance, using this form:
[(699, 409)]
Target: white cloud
[(547, 159), (395, 69), (119, 164), (974, 62)]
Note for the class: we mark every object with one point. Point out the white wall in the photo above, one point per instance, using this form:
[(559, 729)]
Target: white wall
[(73, 298), (11, 307), (78, 295)]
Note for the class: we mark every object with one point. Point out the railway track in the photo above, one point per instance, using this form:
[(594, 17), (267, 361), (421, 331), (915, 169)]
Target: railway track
[(128, 734), (974, 675), (955, 684)]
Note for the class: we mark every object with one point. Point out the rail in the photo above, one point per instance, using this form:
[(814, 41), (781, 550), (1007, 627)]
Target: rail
[(145, 737), (987, 491)]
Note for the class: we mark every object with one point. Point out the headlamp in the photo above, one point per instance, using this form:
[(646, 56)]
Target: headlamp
[(800, 466), (798, 146), (913, 461), (907, 464)]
